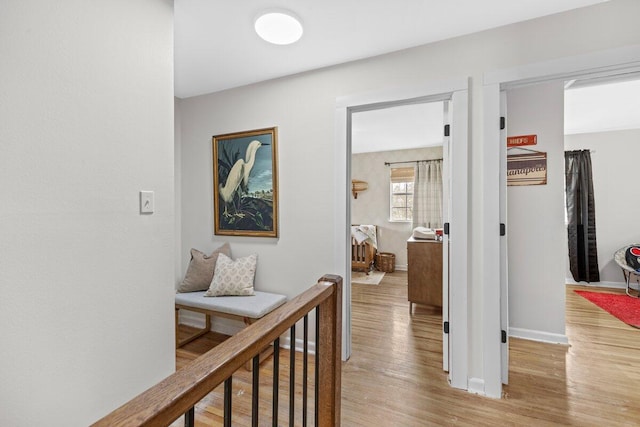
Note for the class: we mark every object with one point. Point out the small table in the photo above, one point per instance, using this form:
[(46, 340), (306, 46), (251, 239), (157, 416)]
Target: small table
[(627, 271)]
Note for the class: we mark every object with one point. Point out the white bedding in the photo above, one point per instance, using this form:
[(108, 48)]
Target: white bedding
[(364, 233)]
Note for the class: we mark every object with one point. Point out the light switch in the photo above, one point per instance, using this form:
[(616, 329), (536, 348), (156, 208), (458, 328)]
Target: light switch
[(146, 202)]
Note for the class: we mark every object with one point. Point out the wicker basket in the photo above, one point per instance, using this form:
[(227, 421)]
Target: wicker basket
[(386, 261)]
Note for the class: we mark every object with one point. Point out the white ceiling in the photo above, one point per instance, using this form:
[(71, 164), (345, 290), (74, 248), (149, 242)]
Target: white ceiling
[(603, 107), (216, 47), (397, 128)]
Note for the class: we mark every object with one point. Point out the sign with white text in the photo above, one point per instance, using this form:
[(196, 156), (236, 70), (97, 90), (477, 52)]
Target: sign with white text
[(519, 141), (527, 169)]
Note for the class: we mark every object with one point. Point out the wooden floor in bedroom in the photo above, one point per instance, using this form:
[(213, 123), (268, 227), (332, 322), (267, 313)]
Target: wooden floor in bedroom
[(395, 377)]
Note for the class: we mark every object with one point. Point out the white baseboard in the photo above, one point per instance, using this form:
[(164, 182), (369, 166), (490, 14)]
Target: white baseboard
[(540, 336), (401, 267), (614, 285), (476, 386), (230, 327), (220, 325), (285, 342)]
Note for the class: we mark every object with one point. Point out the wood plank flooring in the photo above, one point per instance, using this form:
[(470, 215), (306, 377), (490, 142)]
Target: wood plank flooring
[(395, 377)]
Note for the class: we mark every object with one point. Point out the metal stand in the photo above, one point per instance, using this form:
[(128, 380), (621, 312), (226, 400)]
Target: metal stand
[(627, 271), (627, 277)]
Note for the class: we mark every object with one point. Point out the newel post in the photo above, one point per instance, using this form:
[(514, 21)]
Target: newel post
[(329, 351)]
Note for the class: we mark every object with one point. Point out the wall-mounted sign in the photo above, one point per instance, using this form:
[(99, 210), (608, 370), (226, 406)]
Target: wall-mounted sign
[(527, 169), (519, 141)]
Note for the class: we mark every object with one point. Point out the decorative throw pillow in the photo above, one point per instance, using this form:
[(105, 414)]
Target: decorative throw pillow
[(233, 277), (201, 268)]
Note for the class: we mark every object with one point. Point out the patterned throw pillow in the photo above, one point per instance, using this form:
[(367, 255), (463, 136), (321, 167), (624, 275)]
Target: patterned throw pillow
[(200, 271), (233, 277)]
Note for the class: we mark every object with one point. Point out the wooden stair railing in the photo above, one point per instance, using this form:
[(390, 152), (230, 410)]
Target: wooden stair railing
[(178, 394)]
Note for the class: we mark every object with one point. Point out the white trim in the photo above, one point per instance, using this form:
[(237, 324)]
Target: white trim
[(431, 91), (231, 327), (220, 325), (604, 62), (491, 319), (504, 244), (612, 285), (446, 209), (541, 336), (402, 267), (476, 386), (405, 93), (342, 265), (191, 318), (459, 241), (285, 342)]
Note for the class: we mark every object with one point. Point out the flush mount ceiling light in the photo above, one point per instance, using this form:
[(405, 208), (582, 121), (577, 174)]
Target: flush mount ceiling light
[(279, 27)]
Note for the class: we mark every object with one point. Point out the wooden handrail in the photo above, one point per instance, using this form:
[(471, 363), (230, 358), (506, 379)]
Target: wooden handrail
[(169, 399)]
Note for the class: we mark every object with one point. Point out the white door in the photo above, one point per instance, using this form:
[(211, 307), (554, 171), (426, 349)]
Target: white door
[(504, 276), (458, 308), (446, 209)]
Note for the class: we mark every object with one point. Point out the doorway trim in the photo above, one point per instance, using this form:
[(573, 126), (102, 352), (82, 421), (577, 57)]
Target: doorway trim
[(432, 91), (603, 63)]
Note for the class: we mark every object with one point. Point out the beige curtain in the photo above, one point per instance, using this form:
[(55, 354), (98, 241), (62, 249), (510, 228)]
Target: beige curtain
[(427, 194)]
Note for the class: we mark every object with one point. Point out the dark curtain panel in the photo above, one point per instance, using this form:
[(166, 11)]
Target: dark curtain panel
[(581, 216)]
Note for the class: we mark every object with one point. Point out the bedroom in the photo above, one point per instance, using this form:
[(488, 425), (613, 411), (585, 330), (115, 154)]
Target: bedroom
[(386, 145)]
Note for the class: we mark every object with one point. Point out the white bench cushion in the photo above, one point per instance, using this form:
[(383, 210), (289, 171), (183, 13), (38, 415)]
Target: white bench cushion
[(254, 306)]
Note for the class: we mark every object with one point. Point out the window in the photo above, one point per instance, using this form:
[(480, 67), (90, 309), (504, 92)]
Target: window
[(401, 194)]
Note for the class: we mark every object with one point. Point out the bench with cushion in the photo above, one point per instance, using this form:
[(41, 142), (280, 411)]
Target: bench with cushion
[(245, 308), (216, 285)]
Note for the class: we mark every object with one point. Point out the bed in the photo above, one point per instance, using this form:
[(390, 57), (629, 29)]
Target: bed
[(364, 245)]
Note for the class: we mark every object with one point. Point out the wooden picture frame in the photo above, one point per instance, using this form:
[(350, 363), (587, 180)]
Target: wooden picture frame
[(245, 183)]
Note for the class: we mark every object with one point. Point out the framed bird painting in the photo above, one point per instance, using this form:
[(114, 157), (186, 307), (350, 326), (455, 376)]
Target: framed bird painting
[(245, 183)]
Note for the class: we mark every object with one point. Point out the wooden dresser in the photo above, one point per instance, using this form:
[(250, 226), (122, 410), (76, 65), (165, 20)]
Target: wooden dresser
[(424, 273)]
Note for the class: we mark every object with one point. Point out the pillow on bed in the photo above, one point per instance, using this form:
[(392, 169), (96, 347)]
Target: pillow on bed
[(201, 268), (359, 236), (233, 277)]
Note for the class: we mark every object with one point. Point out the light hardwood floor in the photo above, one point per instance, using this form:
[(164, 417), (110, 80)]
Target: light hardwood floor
[(395, 377)]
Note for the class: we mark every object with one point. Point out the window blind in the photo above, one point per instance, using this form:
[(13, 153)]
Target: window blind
[(404, 174)]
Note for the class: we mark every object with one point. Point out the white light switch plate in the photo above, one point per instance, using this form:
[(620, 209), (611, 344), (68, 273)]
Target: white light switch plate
[(146, 202)]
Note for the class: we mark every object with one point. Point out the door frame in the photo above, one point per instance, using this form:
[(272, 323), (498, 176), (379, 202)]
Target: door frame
[(457, 90), (603, 63)]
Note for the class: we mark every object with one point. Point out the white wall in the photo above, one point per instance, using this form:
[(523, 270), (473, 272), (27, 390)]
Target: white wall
[(535, 218), (372, 206), (86, 121), (303, 107), (614, 161)]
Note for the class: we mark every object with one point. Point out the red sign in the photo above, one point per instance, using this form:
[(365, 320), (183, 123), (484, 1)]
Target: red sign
[(519, 141)]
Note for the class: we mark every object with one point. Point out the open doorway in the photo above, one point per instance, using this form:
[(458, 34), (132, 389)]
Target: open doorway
[(555, 117), (509, 80), (601, 119), (455, 151), (388, 144)]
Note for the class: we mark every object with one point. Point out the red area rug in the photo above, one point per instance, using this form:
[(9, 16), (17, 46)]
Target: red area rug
[(622, 306)]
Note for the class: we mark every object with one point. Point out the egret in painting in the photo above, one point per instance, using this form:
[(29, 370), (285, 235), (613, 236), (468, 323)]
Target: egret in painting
[(239, 175)]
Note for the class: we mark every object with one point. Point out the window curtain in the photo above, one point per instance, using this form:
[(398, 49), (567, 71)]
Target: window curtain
[(427, 194), (581, 216)]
